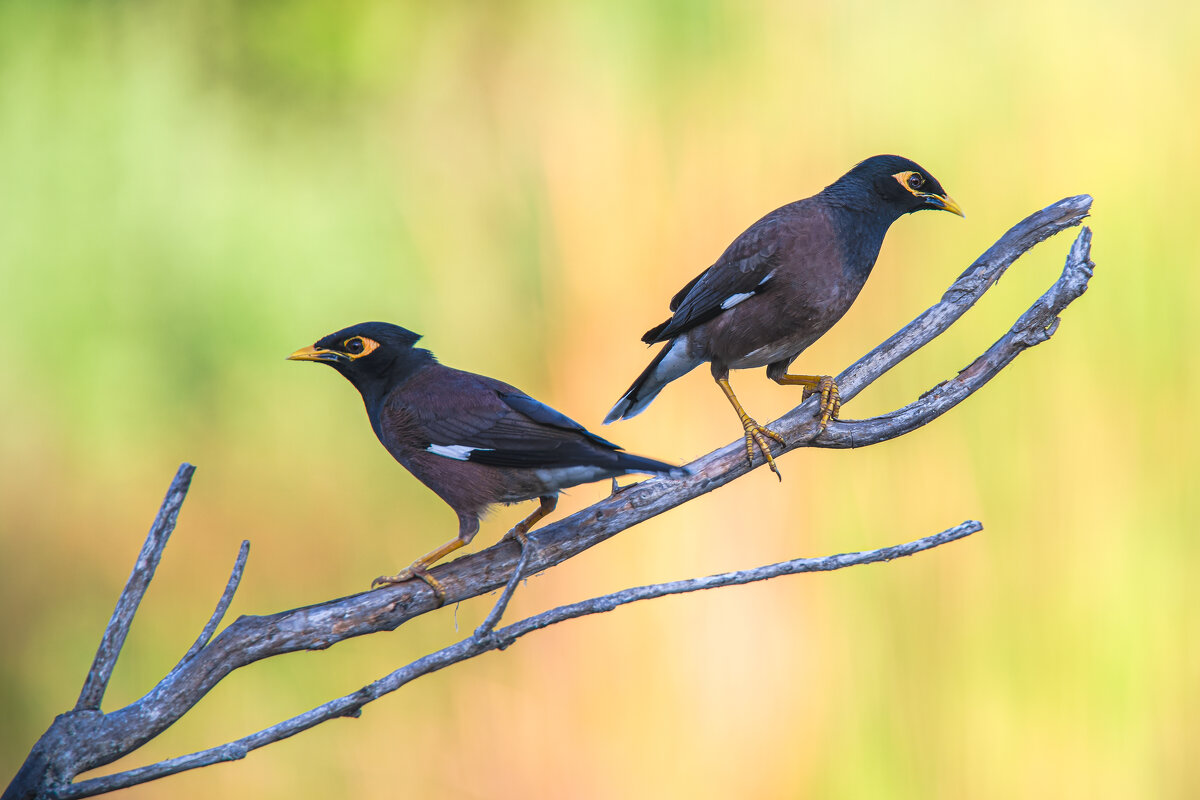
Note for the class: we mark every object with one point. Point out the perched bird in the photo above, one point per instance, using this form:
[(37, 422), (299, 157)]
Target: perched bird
[(473, 440), (780, 286)]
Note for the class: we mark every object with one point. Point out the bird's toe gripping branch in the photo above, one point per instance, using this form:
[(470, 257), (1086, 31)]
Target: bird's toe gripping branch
[(407, 574), (420, 569), (824, 385), (755, 434), (546, 505)]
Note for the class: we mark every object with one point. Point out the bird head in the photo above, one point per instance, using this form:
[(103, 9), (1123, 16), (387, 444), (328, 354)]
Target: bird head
[(903, 185), (371, 355)]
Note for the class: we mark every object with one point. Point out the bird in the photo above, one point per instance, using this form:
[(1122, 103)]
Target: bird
[(474, 440), (780, 286)]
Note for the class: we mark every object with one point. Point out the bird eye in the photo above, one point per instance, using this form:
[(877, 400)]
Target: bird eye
[(915, 181), (354, 345)]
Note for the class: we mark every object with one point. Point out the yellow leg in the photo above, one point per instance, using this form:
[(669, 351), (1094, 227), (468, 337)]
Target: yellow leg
[(831, 399), (755, 434), (518, 532), (420, 569)]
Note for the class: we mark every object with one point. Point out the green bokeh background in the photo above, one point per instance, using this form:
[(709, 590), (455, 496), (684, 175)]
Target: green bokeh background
[(191, 190)]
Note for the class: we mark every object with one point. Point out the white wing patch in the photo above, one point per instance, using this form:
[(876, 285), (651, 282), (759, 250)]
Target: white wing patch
[(734, 299), (459, 452)]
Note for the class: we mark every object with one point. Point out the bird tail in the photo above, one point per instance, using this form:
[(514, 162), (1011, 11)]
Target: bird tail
[(632, 463), (671, 362)]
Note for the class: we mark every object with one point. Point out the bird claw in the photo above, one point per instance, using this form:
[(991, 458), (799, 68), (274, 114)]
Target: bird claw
[(407, 574), (520, 531), (831, 399), (518, 535), (757, 435)]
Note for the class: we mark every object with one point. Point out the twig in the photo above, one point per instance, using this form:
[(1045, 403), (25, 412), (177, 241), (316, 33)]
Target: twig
[(1035, 326), (135, 588), (231, 587), (964, 292), (474, 645), (489, 623)]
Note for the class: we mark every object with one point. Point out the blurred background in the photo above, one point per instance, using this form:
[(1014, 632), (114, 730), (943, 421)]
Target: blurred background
[(189, 191)]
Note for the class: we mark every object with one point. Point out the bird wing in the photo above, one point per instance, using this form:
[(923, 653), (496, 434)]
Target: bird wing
[(474, 418), (746, 268)]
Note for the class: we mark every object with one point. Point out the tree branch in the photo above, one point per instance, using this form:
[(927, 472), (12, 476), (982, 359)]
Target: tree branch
[(493, 618), (350, 705), (231, 587), (135, 589), (1035, 326), (84, 738)]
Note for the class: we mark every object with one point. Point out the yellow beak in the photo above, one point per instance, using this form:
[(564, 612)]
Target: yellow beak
[(946, 203), (313, 353)]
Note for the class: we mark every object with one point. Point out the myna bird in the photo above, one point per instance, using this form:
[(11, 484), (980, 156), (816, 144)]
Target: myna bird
[(473, 440), (780, 286)]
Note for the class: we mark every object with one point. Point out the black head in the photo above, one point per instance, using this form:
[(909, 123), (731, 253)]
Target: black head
[(894, 184), (374, 356)]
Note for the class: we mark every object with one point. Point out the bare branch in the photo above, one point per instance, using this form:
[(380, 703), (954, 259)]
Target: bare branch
[(54, 759), (84, 738), (964, 292), (231, 587), (135, 588), (489, 623), (476, 644), (1035, 326)]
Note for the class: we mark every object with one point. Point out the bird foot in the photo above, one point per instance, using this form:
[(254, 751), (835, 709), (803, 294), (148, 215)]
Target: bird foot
[(407, 574), (521, 529), (831, 399), (517, 535), (757, 435)]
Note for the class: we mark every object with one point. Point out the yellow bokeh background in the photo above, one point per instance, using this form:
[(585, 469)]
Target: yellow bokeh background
[(191, 190)]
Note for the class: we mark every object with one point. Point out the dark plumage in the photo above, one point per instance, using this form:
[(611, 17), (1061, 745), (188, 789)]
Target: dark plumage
[(781, 285), (473, 440)]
